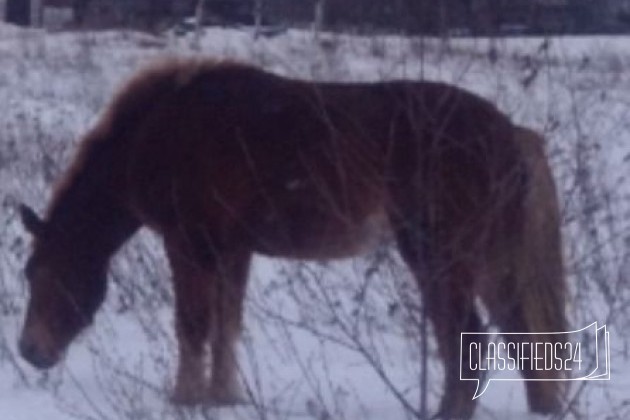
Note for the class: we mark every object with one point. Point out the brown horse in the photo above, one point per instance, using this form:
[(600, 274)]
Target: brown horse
[(224, 160)]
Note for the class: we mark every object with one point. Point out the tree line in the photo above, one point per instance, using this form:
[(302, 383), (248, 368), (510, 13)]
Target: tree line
[(445, 17)]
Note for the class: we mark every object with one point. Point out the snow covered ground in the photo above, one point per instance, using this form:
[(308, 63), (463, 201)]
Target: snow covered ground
[(298, 359)]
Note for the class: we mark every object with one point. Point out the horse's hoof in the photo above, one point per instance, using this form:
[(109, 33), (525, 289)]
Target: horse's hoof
[(225, 398), (184, 400), (188, 397), (454, 412), (213, 398)]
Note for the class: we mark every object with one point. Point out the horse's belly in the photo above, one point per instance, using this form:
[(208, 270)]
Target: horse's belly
[(314, 238)]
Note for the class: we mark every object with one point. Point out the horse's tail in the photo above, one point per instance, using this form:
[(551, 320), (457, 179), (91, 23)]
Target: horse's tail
[(539, 270), (541, 264)]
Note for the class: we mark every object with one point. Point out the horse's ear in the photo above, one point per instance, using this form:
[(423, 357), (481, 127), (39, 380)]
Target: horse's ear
[(31, 220)]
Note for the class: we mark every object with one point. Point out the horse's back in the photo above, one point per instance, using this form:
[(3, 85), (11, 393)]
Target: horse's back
[(305, 165), (262, 156)]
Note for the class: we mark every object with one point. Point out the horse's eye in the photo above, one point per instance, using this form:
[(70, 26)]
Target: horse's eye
[(34, 272)]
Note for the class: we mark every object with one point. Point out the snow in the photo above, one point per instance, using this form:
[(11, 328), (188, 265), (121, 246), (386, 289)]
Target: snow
[(297, 358)]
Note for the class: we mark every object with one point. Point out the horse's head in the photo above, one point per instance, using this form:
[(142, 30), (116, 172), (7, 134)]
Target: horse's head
[(66, 286)]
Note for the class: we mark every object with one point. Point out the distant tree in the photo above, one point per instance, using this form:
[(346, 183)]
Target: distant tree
[(319, 15), (18, 12), (467, 14), (80, 8), (158, 11), (420, 16), (199, 16), (259, 7)]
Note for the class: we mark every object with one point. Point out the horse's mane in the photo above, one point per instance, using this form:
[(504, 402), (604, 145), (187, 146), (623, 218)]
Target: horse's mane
[(130, 104)]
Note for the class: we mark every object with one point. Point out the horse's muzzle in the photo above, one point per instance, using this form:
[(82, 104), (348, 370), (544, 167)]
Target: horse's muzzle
[(35, 356)]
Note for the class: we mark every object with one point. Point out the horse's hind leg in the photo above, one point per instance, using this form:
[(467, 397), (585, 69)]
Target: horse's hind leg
[(449, 303), (450, 307)]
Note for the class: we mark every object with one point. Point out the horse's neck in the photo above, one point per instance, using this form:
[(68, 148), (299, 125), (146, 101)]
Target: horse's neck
[(91, 209)]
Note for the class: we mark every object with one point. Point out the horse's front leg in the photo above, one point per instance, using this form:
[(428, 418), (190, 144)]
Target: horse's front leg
[(228, 286), (192, 321), (209, 297)]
